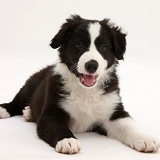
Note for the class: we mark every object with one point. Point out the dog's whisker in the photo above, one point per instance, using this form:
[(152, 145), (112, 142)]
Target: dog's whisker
[(73, 68)]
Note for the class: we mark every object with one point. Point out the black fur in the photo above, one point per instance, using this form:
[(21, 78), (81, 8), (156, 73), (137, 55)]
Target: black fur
[(119, 113), (99, 129), (45, 89)]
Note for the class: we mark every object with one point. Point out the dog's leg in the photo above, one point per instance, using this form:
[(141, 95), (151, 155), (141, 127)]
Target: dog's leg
[(125, 130), (9, 109), (54, 130), (3, 113), (27, 114)]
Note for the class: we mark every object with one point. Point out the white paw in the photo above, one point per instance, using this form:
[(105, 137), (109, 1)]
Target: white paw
[(144, 143), (27, 114), (4, 113), (68, 146)]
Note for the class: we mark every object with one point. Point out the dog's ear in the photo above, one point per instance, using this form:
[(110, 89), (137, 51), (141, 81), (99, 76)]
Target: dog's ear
[(66, 29), (119, 39), (119, 42)]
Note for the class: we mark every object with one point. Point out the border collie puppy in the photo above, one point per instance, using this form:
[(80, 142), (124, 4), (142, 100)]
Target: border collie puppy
[(80, 93)]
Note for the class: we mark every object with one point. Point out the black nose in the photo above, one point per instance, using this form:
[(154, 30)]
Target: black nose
[(91, 66)]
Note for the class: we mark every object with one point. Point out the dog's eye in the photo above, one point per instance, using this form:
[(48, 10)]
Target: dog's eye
[(103, 47), (79, 45)]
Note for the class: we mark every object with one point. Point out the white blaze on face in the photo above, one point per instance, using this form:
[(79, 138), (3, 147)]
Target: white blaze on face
[(92, 54), (94, 31)]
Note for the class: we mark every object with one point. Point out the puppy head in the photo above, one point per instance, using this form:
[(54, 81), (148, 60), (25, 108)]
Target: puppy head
[(89, 47)]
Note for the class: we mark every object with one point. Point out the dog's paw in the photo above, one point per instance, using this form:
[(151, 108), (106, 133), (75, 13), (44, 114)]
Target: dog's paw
[(68, 146), (3, 113), (145, 143), (27, 114)]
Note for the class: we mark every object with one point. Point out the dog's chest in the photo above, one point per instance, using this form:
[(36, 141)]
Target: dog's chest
[(87, 107)]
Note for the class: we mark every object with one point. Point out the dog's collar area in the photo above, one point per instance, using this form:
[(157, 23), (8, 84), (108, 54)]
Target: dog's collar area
[(88, 80)]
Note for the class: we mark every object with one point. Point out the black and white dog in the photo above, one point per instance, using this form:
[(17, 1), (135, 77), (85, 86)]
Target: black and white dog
[(80, 93)]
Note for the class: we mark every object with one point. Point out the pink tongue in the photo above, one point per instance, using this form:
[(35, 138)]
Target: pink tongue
[(88, 80)]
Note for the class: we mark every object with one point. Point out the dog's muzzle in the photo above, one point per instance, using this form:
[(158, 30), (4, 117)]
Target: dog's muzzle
[(89, 79)]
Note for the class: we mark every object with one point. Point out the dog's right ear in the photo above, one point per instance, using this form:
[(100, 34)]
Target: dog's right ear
[(66, 29)]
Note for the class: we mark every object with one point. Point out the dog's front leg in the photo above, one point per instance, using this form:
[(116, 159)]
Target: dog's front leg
[(125, 130), (54, 130)]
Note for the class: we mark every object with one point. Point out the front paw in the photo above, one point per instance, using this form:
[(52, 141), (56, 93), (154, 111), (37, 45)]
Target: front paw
[(144, 143), (68, 146)]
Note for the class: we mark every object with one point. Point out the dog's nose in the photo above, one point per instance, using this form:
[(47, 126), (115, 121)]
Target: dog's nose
[(91, 66)]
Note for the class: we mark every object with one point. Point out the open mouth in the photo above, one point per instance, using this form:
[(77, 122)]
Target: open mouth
[(88, 80)]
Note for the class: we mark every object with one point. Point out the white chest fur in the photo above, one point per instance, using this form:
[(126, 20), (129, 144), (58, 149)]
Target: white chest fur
[(86, 106), (89, 106)]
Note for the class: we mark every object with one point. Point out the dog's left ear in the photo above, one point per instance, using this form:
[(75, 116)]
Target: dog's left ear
[(119, 39), (119, 42)]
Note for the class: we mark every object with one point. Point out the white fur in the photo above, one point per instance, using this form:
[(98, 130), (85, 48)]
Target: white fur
[(27, 114), (62, 69), (126, 131), (88, 105), (85, 106), (4, 113), (68, 145), (92, 54)]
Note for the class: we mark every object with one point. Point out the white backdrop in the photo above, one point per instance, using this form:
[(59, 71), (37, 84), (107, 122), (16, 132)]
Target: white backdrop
[(26, 28)]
